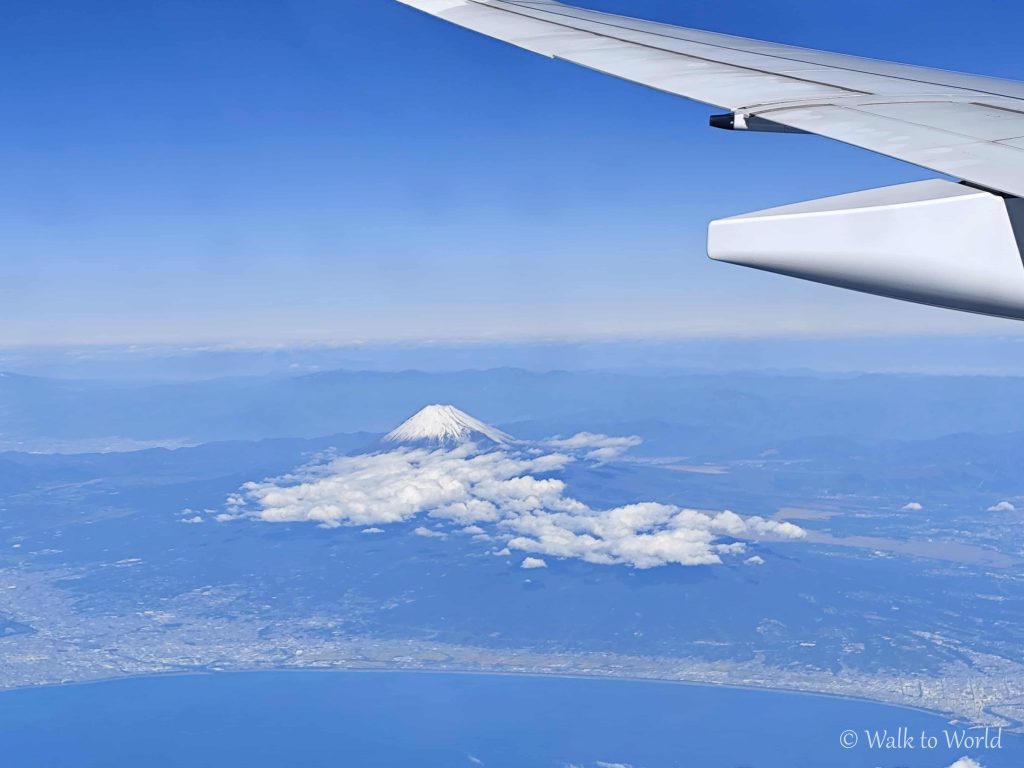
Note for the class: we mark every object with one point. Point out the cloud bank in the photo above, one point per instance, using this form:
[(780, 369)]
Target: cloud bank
[(511, 497)]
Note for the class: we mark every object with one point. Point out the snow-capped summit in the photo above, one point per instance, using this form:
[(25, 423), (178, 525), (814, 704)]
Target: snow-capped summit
[(445, 425)]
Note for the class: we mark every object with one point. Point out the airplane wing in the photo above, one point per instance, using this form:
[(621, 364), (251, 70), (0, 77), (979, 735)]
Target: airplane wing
[(965, 126)]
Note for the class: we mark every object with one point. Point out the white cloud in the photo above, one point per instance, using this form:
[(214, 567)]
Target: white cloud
[(1003, 506), (396, 486), (755, 560), (373, 530), (613, 765), (642, 535), (736, 548), (966, 762), (429, 534), (513, 497), (532, 563), (913, 506), (194, 520), (595, 447)]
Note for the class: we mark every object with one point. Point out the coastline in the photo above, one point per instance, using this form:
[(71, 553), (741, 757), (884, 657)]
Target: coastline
[(1017, 727)]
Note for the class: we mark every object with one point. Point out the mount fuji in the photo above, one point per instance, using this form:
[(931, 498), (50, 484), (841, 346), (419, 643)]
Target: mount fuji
[(444, 426), (444, 468)]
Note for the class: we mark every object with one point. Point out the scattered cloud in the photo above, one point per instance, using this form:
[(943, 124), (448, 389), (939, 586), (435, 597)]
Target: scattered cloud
[(1003, 506), (595, 447), (644, 535), (755, 560), (913, 506), (193, 517), (966, 762), (510, 495), (736, 548), (475, 760), (427, 533), (373, 530), (532, 563), (601, 764)]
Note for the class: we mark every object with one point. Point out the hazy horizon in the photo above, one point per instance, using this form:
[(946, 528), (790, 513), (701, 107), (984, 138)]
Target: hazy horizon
[(934, 354)]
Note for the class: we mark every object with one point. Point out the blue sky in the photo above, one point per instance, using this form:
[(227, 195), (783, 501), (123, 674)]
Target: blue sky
[(343, 170)]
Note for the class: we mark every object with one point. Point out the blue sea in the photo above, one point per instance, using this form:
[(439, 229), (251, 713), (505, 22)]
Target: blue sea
[(422, 720)]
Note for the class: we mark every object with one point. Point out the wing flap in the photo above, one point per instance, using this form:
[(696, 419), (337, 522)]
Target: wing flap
[(979, 121), (999, 164)]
